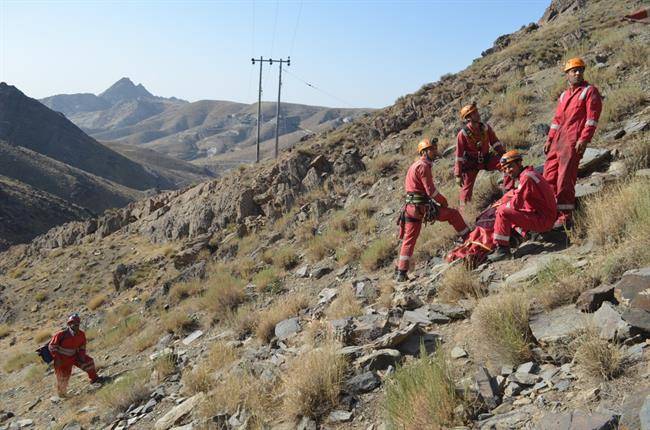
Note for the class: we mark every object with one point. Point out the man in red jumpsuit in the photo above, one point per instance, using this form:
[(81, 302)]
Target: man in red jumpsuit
[(529, 207), (420, 207), (573, 126), (477, 148), (68, 348)]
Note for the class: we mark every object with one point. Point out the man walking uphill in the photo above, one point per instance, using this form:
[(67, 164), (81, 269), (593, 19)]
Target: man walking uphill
[(477, 148), (573, 126), (423, 203), (68, 348)]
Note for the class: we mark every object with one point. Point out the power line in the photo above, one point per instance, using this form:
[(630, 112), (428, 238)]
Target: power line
[(295, 28), (250, 75), (319, 89)]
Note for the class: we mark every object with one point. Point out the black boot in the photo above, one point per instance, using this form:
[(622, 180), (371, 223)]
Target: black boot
[(401, 276), (500, 253)]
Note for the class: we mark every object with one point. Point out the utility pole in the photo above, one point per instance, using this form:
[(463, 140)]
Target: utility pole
[(277, 112), (259, 103)]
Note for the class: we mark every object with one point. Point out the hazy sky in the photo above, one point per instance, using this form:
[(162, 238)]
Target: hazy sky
[(357, 53)]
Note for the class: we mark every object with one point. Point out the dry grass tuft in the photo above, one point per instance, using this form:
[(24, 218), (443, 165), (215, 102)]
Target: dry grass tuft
[(97, 300), (17, 360), (42, 335), (459, 283), (147, 338), (325, 244), (121, 330), (621, 101), (223, 292), (364, 208), (164, 366), (313, 381), (597, 357), (629, 201), (126, 390), (383, 165), (181, 319), (184, 290), (559, 283), (349, 253), (242, 320), (240, 390), (514, 104), (515, 134), (36, 373), (282, 309), (343, 221), (284, 257), (202, 376), (267, 279), (502, 323), (422, 394), (40, 296), (5, 330), (345, 305), (378, 254)]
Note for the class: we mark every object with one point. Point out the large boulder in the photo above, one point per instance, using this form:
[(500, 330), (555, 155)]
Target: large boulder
[(557, 325), (578, 420), (633, 289)]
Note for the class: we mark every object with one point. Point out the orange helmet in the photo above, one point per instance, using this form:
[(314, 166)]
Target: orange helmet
[(510, 157), (573, 63), (467, 110), (426, 143)]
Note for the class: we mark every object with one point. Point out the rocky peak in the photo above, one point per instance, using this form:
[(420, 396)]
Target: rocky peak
[(558, 7), (125, 90)]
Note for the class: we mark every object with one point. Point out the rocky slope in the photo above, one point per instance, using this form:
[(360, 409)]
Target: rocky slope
[(231, 304)]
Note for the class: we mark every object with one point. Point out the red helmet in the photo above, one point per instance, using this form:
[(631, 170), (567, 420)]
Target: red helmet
[(74, 319)]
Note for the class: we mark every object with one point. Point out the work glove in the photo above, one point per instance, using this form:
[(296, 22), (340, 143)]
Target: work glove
[(547, 146), (581, 146), (459, 181)]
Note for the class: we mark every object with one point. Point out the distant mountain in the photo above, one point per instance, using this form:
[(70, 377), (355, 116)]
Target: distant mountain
[(66, 174), (208, 132), (125, 90), (26, 122)]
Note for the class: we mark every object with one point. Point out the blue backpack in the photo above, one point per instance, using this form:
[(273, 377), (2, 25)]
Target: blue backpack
[(44, 351)]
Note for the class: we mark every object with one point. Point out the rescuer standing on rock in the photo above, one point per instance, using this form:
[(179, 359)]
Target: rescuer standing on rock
[(573, 126), (68, 348), (529, 207), (423, 204), (477, 148)]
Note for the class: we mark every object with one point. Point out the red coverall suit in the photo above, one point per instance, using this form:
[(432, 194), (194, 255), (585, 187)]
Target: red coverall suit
[(419, 180), (473, 154), (576, 118), (69, 349), (531, 207)]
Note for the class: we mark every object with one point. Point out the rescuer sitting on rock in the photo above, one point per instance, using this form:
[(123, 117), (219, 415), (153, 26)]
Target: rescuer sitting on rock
[(529, 207)]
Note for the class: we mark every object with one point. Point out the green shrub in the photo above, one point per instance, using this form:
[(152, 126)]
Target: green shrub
[(502, 323), (422, 394)]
